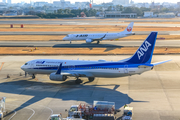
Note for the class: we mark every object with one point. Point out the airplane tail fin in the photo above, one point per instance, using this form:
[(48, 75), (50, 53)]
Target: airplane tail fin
[(129, 28), (145, 51)]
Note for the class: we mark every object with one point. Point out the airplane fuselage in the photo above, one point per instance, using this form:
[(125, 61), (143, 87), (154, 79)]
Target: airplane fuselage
[(108, 36), (87, 68)]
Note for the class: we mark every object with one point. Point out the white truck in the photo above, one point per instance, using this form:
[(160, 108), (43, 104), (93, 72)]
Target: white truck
[(59, 117)]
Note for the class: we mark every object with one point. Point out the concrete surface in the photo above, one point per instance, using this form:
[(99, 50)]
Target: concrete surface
[(155, 95), (96, 22), (79, 32), (83, 44)]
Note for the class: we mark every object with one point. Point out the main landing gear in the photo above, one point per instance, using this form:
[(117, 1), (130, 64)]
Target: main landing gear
[(33, 76), (98, 42), (91, 79), (78, 81)]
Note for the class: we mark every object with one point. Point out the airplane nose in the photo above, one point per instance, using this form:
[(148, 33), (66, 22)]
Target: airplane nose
[(22, 67), (64, 38)]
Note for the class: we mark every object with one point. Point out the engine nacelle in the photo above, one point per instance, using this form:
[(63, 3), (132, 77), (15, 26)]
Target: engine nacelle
[(89, 40), (55, 77)]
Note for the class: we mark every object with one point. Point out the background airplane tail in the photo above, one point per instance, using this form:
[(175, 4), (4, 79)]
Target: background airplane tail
[(129, 28), (145, 51)]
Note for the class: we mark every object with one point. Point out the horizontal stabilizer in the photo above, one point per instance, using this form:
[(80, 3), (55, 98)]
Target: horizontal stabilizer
[(157, 63)]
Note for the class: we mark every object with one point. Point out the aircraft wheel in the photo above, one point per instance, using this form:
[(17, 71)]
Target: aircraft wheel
[(33, 76), (91, 79), (78, 81)]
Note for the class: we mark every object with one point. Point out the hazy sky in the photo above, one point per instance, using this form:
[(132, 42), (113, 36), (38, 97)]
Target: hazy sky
[(98, 1)]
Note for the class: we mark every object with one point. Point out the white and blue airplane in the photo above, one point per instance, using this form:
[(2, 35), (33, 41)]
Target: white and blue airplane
[(59, 70), (100, 36)]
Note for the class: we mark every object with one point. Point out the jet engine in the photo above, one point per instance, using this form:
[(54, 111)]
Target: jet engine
[(89, 40), (57, 77)]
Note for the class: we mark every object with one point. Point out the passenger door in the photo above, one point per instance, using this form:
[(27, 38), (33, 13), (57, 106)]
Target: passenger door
[(126, 71)]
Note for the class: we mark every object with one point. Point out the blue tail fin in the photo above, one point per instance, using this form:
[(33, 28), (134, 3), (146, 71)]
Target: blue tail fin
[(145, 51)]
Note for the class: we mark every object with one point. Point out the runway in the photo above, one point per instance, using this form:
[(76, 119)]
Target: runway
[(94, 22), (74, 32), (154, 95), (83, 44)]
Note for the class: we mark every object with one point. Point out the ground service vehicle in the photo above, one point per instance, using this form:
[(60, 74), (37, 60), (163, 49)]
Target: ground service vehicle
[(128, 112), (99, 110)]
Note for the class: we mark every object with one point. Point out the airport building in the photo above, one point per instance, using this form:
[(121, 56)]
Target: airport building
[(166, 15), (119, 14), (148, 14)]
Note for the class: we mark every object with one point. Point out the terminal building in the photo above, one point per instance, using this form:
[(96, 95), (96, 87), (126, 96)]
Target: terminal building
[(119, 14), (166, 15), (148, 14)]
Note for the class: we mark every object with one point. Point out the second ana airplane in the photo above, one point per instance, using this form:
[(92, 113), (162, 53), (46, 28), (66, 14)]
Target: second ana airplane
[(100, 36), (59, 70)]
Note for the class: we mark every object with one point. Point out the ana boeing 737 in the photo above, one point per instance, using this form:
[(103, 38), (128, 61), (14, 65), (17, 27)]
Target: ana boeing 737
[(59, 70), (100, 36)]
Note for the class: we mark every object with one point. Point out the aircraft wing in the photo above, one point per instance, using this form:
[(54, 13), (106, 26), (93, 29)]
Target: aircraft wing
[(71, 73), (77, 74), (97, 39)]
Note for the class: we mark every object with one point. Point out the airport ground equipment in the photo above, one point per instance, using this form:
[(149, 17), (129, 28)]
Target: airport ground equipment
[(100, 110), (56, 117), (59, 117), (2, 107), (128, 112)]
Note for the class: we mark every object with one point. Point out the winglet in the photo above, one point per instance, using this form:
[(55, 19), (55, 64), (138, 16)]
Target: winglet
[(59, 69), (157, 63)]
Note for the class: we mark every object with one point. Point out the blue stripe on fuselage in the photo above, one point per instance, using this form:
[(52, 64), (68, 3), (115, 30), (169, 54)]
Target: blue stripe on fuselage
[(102, 65)]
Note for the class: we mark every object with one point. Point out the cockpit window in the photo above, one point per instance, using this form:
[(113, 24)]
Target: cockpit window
[(67, 36), (26, 64)]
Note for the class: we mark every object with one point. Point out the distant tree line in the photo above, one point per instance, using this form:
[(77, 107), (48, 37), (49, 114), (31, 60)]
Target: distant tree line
[(139, 11), (62, 13)]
